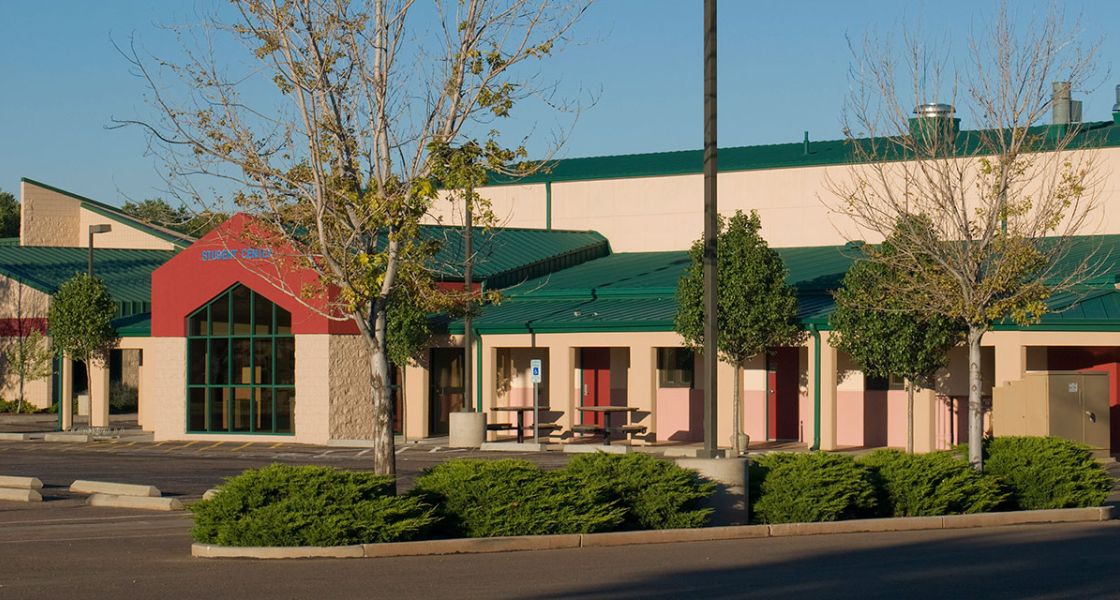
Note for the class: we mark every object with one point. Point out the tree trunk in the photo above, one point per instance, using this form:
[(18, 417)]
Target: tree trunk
[(89, 393), (909, 417), (975, 407), (737, 412), (384, 446)]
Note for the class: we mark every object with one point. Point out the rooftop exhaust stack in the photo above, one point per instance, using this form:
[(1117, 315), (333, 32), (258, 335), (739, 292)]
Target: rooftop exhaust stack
[(934, 125), (1116, 107), (1063, 109)]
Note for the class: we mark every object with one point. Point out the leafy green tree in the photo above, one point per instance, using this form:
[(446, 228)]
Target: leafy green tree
[(886, 335), (81, 323), (9, 215), (757, 308), (332, 150)]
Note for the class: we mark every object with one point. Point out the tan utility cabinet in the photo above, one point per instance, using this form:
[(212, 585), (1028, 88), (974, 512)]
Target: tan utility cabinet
[(1068, 404)]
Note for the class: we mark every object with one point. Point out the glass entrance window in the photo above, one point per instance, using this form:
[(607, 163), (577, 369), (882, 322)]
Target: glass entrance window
[(240, 365)]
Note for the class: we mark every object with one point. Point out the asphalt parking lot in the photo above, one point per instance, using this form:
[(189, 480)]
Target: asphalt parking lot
[(188, 469)]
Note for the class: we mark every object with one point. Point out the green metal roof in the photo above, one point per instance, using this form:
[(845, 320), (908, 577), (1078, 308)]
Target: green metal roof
[(138, 325), (180, 240), (635, 291), (750, 158), (506, 256), (127, 273)]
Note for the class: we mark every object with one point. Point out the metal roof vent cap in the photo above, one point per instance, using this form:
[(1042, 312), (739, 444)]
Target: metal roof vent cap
[(1116, 107), (935, 109), (934, 128)]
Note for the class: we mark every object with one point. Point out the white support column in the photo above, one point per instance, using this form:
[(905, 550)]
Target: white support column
[(98, 394), (829, 370), (66, 399), (641, 381)]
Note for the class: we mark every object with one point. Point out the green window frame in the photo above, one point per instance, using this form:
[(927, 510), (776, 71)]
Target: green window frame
[(240, 366)]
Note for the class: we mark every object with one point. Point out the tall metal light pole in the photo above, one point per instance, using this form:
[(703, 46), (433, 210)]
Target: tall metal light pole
[(468, 283), (710, 230), (93, 229)]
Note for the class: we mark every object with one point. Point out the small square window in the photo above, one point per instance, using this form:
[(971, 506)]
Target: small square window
[(675, 367)]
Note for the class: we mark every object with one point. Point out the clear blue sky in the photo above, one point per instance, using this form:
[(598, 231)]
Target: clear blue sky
[(782, 71)]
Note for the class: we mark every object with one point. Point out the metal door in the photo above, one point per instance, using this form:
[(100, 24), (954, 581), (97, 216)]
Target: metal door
[(445, 394), (595, 370), (1066, 414), (1094, 409), (782, 393)]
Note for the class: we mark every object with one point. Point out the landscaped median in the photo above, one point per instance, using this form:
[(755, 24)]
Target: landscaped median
[(662, 536), (468, 506)]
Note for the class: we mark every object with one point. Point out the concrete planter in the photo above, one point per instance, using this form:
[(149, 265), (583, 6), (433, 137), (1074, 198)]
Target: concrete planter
[(467, 430)]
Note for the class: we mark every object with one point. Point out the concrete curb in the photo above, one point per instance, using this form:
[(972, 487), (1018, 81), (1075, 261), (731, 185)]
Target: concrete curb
[(82, 486), (19, 437), (23, 483), (21, 495), (138, 502), (662, 536), (67, 437)]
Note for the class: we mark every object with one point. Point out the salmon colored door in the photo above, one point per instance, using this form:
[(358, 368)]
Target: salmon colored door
[(595, 366), (782, 393)]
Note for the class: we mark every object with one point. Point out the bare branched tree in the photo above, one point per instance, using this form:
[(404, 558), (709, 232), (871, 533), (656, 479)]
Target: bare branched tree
[(331, 131), (999, 204)]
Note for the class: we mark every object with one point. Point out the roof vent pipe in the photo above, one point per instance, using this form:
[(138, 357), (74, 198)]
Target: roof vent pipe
[(1063, 109), (1116, 107)]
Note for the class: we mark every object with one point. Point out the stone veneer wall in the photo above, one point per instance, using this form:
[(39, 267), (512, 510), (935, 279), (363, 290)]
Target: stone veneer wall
[(351, 411)]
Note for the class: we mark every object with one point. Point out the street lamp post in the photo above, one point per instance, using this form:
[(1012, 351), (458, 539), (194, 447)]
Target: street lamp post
[(94, 229)]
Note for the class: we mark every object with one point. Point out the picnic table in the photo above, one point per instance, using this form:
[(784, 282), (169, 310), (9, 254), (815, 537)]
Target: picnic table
[(607, 411), (520, 410)]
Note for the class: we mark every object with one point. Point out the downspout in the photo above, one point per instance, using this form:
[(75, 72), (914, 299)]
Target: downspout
[(478, 370), (816, 387), (548, 205)]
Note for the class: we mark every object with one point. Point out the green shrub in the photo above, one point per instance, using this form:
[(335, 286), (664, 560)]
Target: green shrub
[(123, 398), (283, 505), (657, 494), (486, 498), (1047, 472), (796, 488), (918, 485)]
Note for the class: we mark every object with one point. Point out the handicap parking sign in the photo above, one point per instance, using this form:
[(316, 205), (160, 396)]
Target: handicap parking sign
[(535, 369)]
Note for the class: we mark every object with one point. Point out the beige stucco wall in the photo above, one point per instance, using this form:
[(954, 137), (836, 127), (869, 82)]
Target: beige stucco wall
[(21, 301), (48, 218), (796, 205), (121, 234), (164, 379)]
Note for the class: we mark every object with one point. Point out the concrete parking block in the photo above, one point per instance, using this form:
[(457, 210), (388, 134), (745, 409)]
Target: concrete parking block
[(138, 502), (588, 448), (511, 447), (19, 437), (67, 437), (25, 483), (20, 495), (210, 493), (665, 536), (209, 551), (82, 486)]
